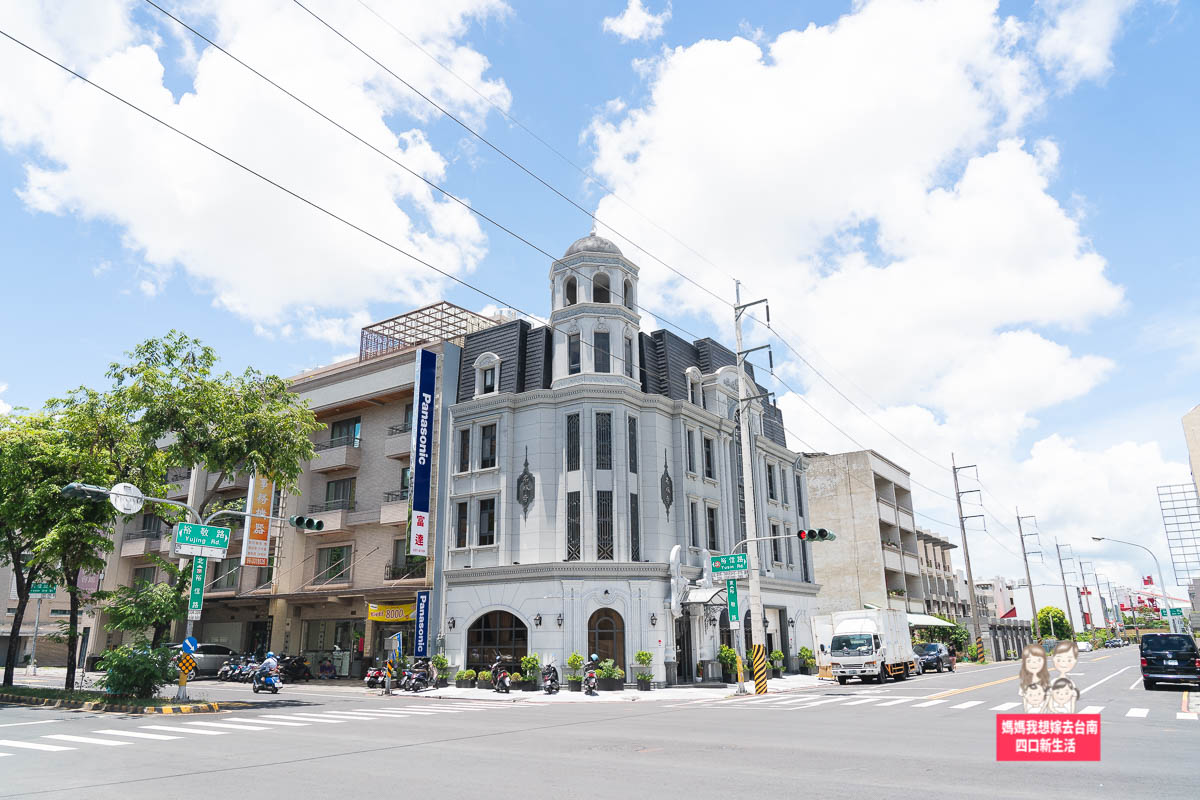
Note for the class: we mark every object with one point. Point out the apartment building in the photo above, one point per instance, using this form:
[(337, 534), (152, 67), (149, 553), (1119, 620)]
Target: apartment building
[(313, 597), (994, 597), (51, 652), (937, 574), (867, 500)]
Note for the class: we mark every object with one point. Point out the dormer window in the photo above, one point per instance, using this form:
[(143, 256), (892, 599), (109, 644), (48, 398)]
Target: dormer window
[(489, 380), (601, 292), (572, 294), (487, 374)]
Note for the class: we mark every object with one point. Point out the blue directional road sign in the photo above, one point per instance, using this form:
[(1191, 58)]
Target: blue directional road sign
[(189, 644)]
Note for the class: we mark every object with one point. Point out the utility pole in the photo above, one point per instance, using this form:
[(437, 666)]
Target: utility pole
[(962, 527), (1063, 573), (1087, 590), (758, 634), (1037, 626)]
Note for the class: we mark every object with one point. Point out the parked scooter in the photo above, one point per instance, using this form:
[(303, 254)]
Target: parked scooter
[(226, 670), (501, 681), (420, 677), (375, 677), (589, 675), (295, 668), (550, 679)]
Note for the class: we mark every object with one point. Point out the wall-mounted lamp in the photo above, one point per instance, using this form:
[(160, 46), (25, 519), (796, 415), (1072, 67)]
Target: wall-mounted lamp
[(791, 622), (538, 620), (450, 623), (653, 619), (560, 620)]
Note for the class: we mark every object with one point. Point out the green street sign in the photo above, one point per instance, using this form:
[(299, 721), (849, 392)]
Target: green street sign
[(738, 562), (196, 595), (42, 589), (201, 540), (1176, 612), (731, 593)]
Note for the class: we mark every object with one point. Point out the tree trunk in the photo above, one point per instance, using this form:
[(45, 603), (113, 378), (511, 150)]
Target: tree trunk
[(14, 639), (72, 580)]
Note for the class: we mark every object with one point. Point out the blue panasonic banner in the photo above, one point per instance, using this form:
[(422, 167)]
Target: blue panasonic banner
[(422, 452), (421, 641)]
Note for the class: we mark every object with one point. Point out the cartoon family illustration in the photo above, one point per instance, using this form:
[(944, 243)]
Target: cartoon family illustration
[(1038, 693)]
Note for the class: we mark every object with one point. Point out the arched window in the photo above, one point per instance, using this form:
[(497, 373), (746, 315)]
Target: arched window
[(628, 294), (496, 634), (606, 636), (569, 291), (600, 289)]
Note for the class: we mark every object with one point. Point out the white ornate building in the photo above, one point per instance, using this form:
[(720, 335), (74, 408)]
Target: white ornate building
[(592, 464)]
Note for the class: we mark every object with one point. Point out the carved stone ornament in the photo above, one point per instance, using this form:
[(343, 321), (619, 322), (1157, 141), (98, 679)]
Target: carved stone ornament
[(666, 487), (525, 489)]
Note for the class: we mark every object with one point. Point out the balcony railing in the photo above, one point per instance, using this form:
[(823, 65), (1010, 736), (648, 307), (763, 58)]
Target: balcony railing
[(341, 441), (178, 474), (395, 496), (410, 569), (397, 430), (145, 533), (331, 505)]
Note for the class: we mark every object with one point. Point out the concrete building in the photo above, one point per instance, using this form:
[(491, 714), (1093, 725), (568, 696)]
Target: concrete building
[(595, 469), (56, 609), (867, 501), (937, 574), (994, 596), (1191, 435)]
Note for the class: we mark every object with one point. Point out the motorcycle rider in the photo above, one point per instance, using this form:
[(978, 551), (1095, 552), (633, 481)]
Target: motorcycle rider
[(268, 665)]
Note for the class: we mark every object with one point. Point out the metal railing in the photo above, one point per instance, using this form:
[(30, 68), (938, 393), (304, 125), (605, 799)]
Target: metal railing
[(398, 572), (341, 441), (396, 430), (178, 474), (331, 505), (144, 533), (395, 496)]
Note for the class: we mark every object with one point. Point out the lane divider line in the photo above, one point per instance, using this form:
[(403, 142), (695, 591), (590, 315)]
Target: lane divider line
[(1102, 680), (953, 692)]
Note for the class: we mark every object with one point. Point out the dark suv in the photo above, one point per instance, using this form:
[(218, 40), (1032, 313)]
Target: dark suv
[(936, 657), (1169, 658)]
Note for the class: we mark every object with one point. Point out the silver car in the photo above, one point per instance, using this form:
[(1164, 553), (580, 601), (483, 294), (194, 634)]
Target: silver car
[(209, 658)]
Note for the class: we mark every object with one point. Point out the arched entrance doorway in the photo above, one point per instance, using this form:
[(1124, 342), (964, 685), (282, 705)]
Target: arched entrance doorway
[(606, 636), (496, 634)]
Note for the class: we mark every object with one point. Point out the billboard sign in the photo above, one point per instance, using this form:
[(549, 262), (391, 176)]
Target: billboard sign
[(422, 634), (256, 537), (424, 388)]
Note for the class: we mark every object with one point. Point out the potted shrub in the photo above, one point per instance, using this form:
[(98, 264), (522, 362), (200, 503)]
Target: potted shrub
[(441, 667), (610, 677), (464, 678), (644, 659), (531, 668), (807, 662), (483, 679), (776, 663), (728, 658), (574, 677)]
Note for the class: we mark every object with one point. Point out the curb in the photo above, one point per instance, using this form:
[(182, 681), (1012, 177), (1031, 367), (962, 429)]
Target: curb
[(91, 705)]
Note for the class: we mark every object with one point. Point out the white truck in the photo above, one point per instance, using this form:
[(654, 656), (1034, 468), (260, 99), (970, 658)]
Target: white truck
[(872, 644)]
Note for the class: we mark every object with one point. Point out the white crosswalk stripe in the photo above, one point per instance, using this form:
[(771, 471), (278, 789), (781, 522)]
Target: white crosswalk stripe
[(895, 702), (1137, 712), (305, 718), (969, 704), (33, 745), (861, 702), (1092, 710), (193, 731), (1178, 715), (228, 726), (66, 737), (348, 715), (136, 735), (1004, 707), (261, 721), (928, 703)]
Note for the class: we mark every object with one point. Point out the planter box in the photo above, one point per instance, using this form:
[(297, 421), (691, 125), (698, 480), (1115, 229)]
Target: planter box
[(574, 686), (463, 684), (643, 686), (727, 676), (610, 684), (530, 686), (807, 670), (487, 687), (441, 683), (776, 673)]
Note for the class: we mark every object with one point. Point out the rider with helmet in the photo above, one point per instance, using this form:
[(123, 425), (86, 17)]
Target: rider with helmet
[(268, 665)]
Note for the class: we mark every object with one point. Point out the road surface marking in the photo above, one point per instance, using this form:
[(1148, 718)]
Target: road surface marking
[(1004, 707), (391, 712), (39, 722), (969, 704), (860, 702), (896, 702), (136, 735), (2, 755), (823, 702), (1135, 683), (928, 703), (1101, 658), (972, 688), (228, 726), (84, 739), (304, 718), (349, 715), (1137, 712), (1183, 702), (33, 745), (1102, 680), (1092, 710), (185, 730), (1178, 715), (261, 721), (794, 700)]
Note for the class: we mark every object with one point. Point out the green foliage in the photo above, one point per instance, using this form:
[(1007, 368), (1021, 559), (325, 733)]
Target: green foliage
[(461, 675), (575, 677), (1054, 622), (609, 669), (645, 676), (531, 664), (138, 608), (440, 665), (468, 674), (136, 670), (644, 658), (484, 675), (727, 656), (976, 653), (515, 677), (777, 658), (806, 657), (574, 664)]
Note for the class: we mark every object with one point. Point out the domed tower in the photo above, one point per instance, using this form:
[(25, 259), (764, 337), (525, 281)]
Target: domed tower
[(594, 315)]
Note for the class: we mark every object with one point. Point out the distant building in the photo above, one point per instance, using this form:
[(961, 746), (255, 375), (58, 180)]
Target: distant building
[(937, 574)]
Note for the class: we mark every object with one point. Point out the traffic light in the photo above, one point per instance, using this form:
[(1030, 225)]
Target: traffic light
[(818, 535), (306, 523), (84, 491)]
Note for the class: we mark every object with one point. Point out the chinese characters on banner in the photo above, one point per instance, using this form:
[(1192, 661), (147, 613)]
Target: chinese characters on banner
[(422, 452), (1047, 737), (256, 540)]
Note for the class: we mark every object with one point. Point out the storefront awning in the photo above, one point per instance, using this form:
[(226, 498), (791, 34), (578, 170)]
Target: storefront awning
[(926, 621), (701, 595)]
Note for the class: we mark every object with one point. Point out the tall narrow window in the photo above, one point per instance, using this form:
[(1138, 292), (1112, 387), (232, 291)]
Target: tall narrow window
[(691, 451), (464, 450), (712, 529), (489, 380), (710, 461), (635, 530), (461, 514), (573, 548), (633, 445), (771, 482), (604, 525), (693, 524), (627, 294), (776, 550), (572, 442), (408, 412), (604, 440), (787, 545), (783, 482), (487, 522), (487, 446), (799, 498), (345, 432), (571, 294), (601, 292), (628, 357), (572, 353), (601, 352), (339, 495)]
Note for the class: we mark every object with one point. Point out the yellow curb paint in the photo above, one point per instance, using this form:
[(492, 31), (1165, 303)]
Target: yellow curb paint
[(953, 692)]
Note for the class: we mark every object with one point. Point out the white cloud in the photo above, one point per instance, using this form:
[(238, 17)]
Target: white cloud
[(904, 231), (635, 23), (4, 407), (1076, 37), (261, 254)]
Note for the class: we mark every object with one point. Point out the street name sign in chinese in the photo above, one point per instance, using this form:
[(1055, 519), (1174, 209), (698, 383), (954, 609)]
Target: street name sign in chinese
[(1172, 612), (256, 538), (196, 595), (738, 562), (731, 594), (210, 541), (42, 589)]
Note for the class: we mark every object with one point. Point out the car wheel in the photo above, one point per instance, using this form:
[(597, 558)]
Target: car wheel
[(191, 675), (842, 680), (939, 666), (1146, 684), (882, 675)]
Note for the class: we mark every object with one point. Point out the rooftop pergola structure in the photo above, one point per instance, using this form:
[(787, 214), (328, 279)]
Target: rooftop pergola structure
[(439, 322)]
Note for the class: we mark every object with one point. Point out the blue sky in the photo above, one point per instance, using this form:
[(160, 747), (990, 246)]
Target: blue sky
[(137, 234)]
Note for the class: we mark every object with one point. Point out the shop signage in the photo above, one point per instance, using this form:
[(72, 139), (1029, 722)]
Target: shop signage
[(422, 452), (256, 544), (422, 637), (400, 613)]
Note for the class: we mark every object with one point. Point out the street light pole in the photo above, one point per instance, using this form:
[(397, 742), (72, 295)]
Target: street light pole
[(1157, 568), (1037, 625)]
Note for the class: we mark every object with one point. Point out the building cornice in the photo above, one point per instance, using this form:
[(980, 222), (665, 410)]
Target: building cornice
[(558, 570)]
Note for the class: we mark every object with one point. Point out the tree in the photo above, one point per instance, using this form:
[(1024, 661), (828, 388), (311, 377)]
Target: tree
[(1055, 621), (146, 606)]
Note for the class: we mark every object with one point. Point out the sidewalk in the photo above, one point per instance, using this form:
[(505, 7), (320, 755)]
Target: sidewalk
[(788, 683)]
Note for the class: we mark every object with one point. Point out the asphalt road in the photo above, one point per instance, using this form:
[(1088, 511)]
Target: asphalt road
[(934, 733)]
